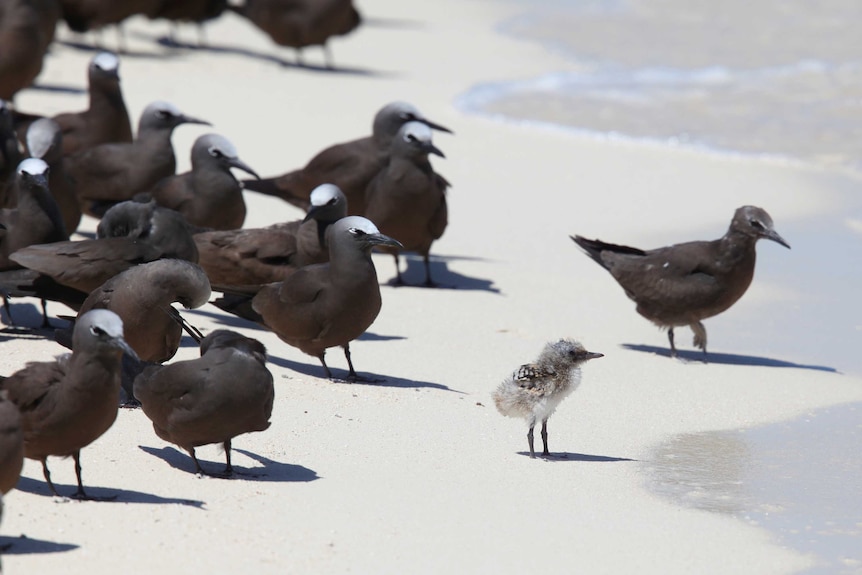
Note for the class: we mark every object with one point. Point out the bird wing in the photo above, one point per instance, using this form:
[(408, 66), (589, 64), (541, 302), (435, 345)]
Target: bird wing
[(28, 387), (174, 192), (101, 170), (528, 375), (685, 273), (305, 285)]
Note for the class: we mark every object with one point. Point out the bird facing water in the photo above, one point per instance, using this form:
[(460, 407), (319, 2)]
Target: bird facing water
[(683, 284), (534, 391)]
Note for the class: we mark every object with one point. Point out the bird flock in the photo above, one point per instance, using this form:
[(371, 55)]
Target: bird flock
[(166, 238)]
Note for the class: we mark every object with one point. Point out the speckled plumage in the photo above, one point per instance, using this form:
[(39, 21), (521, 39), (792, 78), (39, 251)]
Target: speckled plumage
[(534, 390)]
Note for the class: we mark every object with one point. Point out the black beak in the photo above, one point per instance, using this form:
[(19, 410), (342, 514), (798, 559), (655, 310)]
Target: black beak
[(434, 126), (240, 165)]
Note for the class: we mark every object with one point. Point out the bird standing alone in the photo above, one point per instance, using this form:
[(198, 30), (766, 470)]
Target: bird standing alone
[(536, 389)]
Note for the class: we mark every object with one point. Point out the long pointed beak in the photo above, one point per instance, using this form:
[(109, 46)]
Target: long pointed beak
[(311, 212), (127, 349), (430, 148), (383, 240), (593, 355), (191, 120), (40, 180), (240, 165), (773, 235), (434, 126)]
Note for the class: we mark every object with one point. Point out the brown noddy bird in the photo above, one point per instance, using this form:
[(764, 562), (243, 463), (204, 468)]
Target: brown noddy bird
[(683, 284), (106, 120), (264, 255), (11, 443), (36, 218), (85, 15), (209, 196), (534, 391), (301, 23), (26, 31), (69, 403), (226, 392), (45, 141), (196, 11), (351, 165), (142, 297), (330, 304), (111, 173), (407, 198), (69, 271)]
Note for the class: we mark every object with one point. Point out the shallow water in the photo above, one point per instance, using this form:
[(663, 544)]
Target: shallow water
[(800, 479), (776, 78)]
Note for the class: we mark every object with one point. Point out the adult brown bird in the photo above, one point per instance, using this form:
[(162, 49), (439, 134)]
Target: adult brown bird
[(407, 198), (111, 173), (11, 443), (301, 23), (330, 304), (259, 256), (36, 218), (106, 120), (26, 31), (683, 284), (10, 154), (142, 296), (534, 391), (349, 165), (69, 403), (209, 196), (226, 392)]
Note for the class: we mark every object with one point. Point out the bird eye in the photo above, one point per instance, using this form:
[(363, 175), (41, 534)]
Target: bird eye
[(97, 331), (755, 224), (356, 232), (410, 138), (331, 202), (216, 153), (163, 114)]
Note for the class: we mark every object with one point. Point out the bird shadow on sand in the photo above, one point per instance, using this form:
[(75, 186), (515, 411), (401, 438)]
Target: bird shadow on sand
[(32, 486), (269, 471), (167, 42), (393, 23), (83, 46), (368, 378), (58, 88), (726, 358), (581, 457), (413, 275), (24, 545)]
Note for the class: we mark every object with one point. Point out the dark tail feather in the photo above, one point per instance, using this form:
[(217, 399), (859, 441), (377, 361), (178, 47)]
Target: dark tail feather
[(594, 249), (270, 187), (238, 305)]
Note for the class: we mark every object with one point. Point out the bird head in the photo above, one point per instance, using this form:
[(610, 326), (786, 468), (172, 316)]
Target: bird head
[(328, 204), (102, 330), (218, 149), (755, 222)]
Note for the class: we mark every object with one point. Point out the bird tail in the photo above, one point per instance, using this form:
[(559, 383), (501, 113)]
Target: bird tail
[(270, 187), (594, 249), (236, 300)]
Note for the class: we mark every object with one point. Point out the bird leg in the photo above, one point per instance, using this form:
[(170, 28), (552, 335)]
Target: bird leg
[(325, 367), (198, 469), (398, 281), (8, 309), (670, 339), (80, 494), (530, 442), (228, 470), (45, 323), (47, 475), (327, 54), (699, 336), (545, 437), (352, 375)]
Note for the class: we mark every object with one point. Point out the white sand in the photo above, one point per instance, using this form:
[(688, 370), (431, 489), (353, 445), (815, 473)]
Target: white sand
[(421, 474)]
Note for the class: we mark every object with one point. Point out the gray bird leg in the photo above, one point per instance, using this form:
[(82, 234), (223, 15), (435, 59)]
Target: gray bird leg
[(530, 442), (352, 375), (670, 339), (699, 335), (325, 367), (47, 475), (399, 281), (45, 322), (228, 470), (80, 493), (8, 308), (545, 437), (198, 468)]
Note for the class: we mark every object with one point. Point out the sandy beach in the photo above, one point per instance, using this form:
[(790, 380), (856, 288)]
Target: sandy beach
[(419, 473)]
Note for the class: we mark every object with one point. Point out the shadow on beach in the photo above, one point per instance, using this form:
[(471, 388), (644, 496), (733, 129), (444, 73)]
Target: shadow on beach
[(413, 275), (24, 545), (34, 487), (270, 470), (725, 358), (581, 457)]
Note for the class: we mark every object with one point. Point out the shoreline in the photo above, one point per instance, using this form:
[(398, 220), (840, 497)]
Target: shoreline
[(420, 473)]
